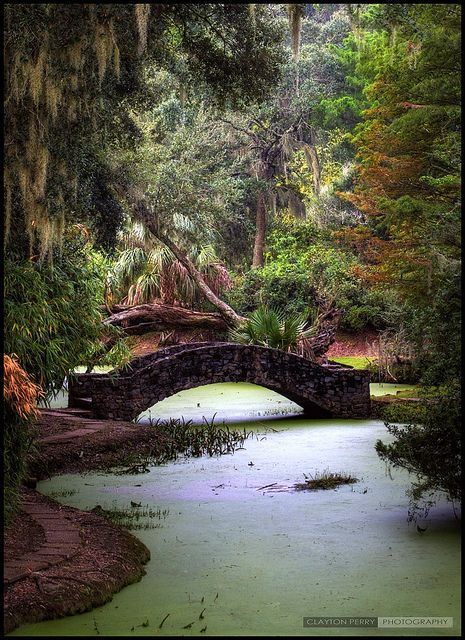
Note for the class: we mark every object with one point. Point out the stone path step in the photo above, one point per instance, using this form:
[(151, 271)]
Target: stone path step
[(62, 542), (72, 435), (75, 412), (84, 403)]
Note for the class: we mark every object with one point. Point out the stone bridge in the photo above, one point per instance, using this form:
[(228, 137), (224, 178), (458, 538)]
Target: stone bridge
[(322, 391)]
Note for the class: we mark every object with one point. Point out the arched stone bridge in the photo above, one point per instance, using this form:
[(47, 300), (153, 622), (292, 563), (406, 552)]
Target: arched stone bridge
[(322, 391)]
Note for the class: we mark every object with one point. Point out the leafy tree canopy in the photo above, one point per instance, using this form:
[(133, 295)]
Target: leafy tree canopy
[(74, 71)]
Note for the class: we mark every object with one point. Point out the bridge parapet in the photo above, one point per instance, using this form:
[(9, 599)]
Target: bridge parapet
[(319, 390), (141, 362)]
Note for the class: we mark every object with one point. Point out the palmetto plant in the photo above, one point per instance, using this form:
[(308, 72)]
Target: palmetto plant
[(274, 328), (147, 271)]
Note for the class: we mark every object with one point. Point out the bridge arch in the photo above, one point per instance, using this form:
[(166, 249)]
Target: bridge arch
[(229, 401), (321, 391), (311, 409)]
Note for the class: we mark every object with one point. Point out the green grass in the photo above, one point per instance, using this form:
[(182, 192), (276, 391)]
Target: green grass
[(358, 362)]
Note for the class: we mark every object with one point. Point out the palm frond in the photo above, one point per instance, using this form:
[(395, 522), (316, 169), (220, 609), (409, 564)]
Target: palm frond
[(145, 289), (129, 264), (206, 256), (160, 257), (182, 223), (273, 328)]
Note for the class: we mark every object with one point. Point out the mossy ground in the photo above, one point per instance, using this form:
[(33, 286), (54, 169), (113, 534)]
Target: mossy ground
[(357, 362)]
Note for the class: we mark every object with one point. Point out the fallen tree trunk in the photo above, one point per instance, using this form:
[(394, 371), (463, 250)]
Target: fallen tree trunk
[(153, 317)]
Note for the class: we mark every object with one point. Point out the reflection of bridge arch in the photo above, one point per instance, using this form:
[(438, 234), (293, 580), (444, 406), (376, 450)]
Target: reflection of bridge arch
[(321, 391)]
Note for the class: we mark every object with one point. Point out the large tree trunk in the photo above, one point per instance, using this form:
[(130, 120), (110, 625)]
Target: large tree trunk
[(260, 230), (150, 317)]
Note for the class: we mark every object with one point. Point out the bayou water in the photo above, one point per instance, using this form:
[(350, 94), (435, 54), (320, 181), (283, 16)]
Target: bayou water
[(240, 552)]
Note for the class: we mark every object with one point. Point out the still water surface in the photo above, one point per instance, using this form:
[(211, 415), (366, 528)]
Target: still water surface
[(263, 558)]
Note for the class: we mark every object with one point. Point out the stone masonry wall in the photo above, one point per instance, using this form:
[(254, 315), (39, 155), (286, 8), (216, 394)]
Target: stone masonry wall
[(319, 390)]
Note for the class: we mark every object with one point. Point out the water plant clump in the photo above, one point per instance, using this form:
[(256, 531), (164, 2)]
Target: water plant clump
[(64, 493), (324, 480), (134, 517), (182, 437), (191, 440)]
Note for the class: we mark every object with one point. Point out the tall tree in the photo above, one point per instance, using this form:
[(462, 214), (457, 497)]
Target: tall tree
[(408, 174), (73, 72), (282, 137)]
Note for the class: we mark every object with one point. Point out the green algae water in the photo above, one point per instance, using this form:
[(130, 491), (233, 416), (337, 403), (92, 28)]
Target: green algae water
[(232, 401), (240, 553), (386, 388)]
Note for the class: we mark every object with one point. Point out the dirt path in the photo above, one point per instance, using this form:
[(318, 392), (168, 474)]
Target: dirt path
[(81, 563)]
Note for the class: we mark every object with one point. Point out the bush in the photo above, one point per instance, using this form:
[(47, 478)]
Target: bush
[(274, 328), (430, 446), (20, 398), (288, 289), (303, 268), (52, 314)]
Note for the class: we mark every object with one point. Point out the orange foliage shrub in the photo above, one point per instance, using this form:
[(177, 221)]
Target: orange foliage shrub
[(19, 390)]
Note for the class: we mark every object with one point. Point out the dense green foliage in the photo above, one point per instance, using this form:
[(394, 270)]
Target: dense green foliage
[(268, 327), (76, 71), (408, 184), (430, 446), (303, 268), (52, 315), (180, 165), (408, 168)]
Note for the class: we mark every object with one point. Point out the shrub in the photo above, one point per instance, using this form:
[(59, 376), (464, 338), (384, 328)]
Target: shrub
[(286, 288), (274, 328), (52, 314), (324, 480), (20, 409), (430, 446), (303, 268)]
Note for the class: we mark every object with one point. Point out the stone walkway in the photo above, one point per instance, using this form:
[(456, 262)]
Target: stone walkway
[(62, 542), (62, 539)]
